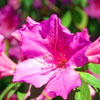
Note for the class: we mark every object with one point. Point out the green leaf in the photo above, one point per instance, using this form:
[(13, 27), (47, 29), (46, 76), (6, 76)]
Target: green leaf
[(76, 1), (84, 19), (13, 91), (66, 19), (21, 1), (94, 68), (83, 3), (21, 95), (9, 87), (43, 2), (23, 88), (45, 18), (28, 3), (7, 47), (90, 79), (83, 92), (33, 15)]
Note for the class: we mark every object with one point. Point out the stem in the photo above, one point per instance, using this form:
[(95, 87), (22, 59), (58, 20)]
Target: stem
[(46, 96), (52, 6)]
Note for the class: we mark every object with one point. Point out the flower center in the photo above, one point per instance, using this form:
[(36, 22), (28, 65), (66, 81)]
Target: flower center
[(61, 62)]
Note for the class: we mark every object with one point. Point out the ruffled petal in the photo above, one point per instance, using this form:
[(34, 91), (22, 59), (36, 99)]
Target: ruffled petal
[(77, 50), (93, 52)]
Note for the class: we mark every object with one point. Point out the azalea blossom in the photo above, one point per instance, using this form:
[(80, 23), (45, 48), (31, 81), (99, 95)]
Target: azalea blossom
[(93, 10), (13, 97), (14, 50), (14, 3), (6, 65), (9, 21), (52, 53), (38, 3), (93, 52)]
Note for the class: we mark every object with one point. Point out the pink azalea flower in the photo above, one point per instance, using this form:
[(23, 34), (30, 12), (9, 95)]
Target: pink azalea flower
[(64, 2), (6, 65), (2, 45), (93, 52), (9, 21), (14, 3), (94, 9), (52, 53), (14, 50), (13, 97), (38, 3)]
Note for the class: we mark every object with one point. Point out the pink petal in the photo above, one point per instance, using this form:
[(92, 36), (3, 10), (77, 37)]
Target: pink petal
[(34, 72), (77, 50), (64, 82), (2, 45), (9, 21), (7, 66), (85, 35), (93, 52), (32, 45)]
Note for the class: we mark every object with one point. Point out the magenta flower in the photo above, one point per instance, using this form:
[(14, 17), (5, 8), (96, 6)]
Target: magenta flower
[(6, 65), (93, 52), (9, 21), (64, 2), (14, 50), (52, 53), (38, 3), (14, 3), (94, 9), (13, 97)]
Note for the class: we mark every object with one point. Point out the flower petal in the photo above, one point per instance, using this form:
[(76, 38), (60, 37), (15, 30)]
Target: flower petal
[(77, 50), (34, 72), (64, 82), (93, 52)]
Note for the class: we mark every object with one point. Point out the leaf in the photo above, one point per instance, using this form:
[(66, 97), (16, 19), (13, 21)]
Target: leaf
[(94, 68), (90, 79), (66, 19), (83, 92), (76, 1), (23, 88), (84, 19), (21, 1), (43, 2), (9, 87), (33, 15), (13, 91), (21, 95), (83, 3), (45, 18), (7, 47), (28, 3)]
